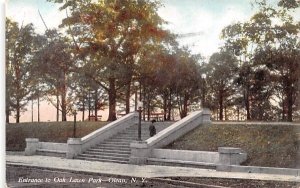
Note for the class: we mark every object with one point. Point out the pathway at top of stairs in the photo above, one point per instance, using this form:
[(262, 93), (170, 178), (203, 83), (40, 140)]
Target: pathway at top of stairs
[(117, 148)]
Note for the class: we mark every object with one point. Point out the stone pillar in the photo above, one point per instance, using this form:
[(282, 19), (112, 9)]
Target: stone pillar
[(74, 147), (32, 144), (139, 152), (206, 116), (230, 156)]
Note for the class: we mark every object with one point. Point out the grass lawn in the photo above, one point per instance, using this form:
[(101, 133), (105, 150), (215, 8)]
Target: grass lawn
[(266, 145), (16, 133)]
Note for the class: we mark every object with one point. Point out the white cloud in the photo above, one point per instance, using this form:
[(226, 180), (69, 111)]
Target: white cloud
[(171, 15), (201, 20), (29, 14)]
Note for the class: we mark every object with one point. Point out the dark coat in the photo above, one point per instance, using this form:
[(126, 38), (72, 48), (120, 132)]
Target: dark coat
[(152, 130)]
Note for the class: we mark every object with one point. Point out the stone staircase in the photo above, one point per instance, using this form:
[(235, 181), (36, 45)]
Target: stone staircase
[(117, 148)]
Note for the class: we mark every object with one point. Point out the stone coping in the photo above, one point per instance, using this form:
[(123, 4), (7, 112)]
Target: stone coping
[(108, 127)]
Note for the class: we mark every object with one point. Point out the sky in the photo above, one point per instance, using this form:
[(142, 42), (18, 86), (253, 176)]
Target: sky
[(188, 16), (208, 17)]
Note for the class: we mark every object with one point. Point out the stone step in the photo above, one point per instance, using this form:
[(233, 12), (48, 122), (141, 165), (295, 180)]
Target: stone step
[(134, 138), (169, 162), (109, 157), (123, 150), (123, 142), (114, 153), (119, 140), (132, 134), (129, 136), (102, 160), (135, 130), (115, 143), (93, 153), (115, 147), (54, 153)]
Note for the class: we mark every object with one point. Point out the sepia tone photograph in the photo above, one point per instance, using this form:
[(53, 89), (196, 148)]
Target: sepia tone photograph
[(152, 93)]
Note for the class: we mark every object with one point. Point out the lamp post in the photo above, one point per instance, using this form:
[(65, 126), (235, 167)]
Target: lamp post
[(203, 76), (140, 109), (74, 127), (136, 85)]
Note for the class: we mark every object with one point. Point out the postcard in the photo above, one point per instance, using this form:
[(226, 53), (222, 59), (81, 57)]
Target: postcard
[(148, 93)]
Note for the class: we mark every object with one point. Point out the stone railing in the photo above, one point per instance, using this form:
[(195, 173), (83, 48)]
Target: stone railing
[(140, 150), (79, 145), (75, 146)]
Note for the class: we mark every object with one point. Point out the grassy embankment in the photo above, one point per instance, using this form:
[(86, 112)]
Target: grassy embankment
[(266, 145), (16, 133)]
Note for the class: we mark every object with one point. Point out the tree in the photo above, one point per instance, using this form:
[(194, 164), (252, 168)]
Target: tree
[(222, 68), (271, 29), (19, 44), (56, 66), (111, 33)]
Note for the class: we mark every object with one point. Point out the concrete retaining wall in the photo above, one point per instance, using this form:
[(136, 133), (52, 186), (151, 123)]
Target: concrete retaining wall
[(179, 129), (33, 144), (53, 146), (259, 169), (185, 155)]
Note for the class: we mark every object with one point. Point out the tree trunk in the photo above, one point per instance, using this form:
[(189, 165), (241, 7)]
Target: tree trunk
[(283, 109), (63, 106), (165, 101), (144, 105), (184, 108), (127, 102), (31, 110), (112, 95), (7, 113), (96, 105), (221, 105), (289, 104), (247, 103), (89, 105), (63, 98), (169, 106), (38, 105), (57, 107), (18, 111), (83, 108), (148, 106)]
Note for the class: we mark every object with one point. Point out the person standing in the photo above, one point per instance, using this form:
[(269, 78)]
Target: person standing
[(152, 128)]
